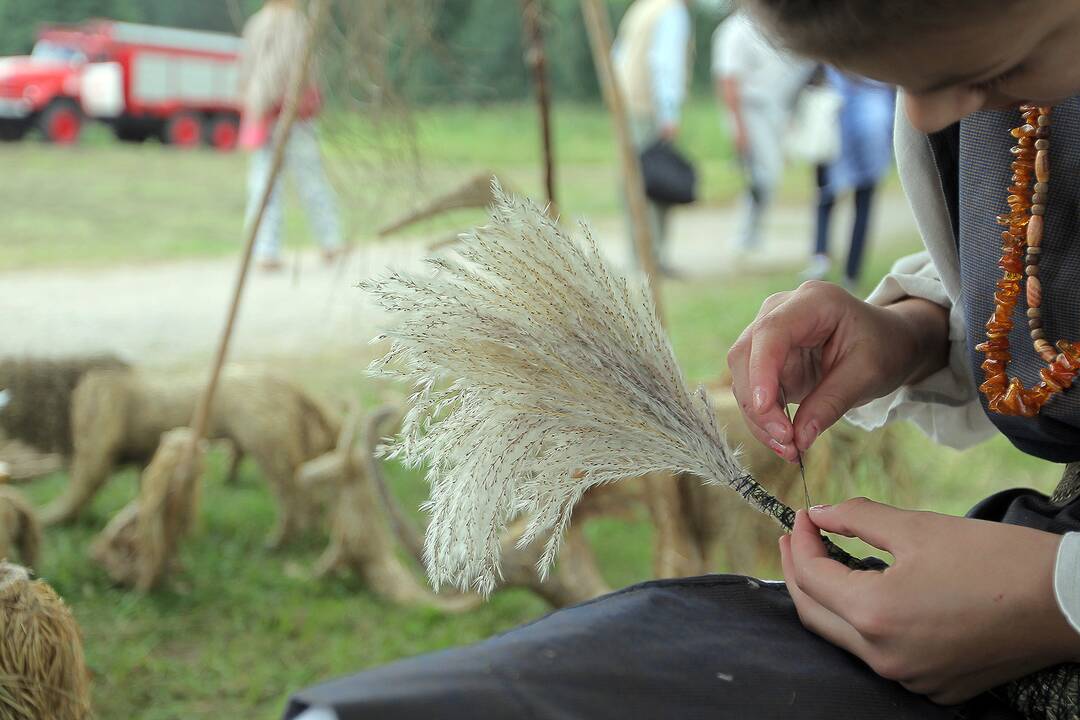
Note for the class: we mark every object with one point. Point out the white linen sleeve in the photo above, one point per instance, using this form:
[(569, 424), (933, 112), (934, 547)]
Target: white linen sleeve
[(944, 405), (1067, 578)]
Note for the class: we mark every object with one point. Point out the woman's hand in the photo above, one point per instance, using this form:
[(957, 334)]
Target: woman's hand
[(967, 605), (830, 352)]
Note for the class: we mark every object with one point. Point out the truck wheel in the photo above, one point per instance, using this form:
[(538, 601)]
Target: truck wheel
[(223, 132), (61, 122), (13, 130), (184, 130)]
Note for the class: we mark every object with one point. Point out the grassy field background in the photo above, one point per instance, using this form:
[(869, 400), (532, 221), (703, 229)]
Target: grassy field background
[(241, 627)]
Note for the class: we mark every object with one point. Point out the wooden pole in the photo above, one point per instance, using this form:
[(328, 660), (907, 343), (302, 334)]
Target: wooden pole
[(286, 121), (599, 29), (536, 59)]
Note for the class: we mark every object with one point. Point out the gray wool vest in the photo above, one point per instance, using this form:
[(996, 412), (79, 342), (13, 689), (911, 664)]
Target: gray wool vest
[(973, 160)]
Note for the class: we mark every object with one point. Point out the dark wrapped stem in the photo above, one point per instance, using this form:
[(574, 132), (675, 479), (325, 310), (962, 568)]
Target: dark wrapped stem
[(765, 502)]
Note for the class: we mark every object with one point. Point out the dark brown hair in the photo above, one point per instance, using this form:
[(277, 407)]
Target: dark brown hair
[(836, 30)]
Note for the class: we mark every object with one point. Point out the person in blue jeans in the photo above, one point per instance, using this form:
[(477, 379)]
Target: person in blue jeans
[(866, 156)]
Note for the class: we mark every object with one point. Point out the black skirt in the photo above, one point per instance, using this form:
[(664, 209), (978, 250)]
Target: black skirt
[(711, 647)]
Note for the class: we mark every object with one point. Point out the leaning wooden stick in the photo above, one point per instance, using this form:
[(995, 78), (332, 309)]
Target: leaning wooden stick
[(560, 378), (285, 123)]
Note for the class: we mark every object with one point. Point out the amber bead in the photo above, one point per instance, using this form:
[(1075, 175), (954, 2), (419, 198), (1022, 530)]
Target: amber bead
[(1061, 376), (1037, 397), (1001, 343), (1011, 402), (1011, 264), (1070, 351), (1048, 378)]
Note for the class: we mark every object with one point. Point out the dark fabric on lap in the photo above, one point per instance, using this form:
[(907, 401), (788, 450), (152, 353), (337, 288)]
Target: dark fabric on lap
[(712, 647), (1030, 508)]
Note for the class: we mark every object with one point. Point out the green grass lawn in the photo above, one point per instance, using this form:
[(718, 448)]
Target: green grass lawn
[(105, 202), (240, 627)]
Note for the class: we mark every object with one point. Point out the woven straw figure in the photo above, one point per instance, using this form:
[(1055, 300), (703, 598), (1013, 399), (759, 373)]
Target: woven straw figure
[(121, 414), (139, 544), (42, 670), (20, 531)]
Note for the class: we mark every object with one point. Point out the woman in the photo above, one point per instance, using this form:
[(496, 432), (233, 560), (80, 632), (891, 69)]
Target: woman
[(274, 43)]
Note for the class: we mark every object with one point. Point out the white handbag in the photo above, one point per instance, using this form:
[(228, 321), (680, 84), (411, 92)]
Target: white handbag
[(814, 133)]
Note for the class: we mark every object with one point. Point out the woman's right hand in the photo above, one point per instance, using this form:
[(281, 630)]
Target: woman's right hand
[(830, 352)]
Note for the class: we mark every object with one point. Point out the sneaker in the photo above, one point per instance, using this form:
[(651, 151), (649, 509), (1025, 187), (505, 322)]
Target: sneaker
[(817, 269)]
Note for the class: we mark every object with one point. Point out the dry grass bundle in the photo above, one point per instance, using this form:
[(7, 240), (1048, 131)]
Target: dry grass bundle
[(20, 531), (42, 669), (38, 407), (120, 415), (139, 544), (560, 379), (475, 193)]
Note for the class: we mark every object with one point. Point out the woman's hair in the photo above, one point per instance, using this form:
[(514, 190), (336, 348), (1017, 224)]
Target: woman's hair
[(840, 29)]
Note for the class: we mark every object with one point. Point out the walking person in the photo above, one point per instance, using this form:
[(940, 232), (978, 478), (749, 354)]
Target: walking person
[(274, 42), (652, 62), (866, 155), (759, 85)]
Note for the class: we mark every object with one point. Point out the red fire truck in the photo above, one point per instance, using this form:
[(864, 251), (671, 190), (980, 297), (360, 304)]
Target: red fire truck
[(143, 81)]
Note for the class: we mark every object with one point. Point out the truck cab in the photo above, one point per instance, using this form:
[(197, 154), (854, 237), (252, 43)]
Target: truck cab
[(42, 89)]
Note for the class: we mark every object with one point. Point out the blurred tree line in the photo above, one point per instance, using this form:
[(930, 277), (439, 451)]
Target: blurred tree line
[(472, 51)]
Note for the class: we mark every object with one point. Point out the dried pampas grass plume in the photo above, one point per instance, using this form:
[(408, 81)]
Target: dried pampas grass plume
[(42, 669), (560, 379)]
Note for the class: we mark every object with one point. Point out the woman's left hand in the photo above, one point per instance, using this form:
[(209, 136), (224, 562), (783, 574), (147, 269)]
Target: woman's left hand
[(967, 605)]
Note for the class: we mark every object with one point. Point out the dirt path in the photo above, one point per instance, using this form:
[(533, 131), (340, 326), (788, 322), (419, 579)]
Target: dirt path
[(171, 313)]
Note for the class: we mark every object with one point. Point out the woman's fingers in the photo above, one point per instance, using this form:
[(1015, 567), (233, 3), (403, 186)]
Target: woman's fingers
[(814, 616), (768, 423)]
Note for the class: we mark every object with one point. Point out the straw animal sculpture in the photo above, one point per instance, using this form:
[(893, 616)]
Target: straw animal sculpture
[(38, 406), (120, 415), (538, 374), (367, 525), (42, 670), (20, 531), (139, 544)]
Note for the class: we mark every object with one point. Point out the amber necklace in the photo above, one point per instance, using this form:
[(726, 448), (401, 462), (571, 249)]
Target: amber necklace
[(1023, 237)]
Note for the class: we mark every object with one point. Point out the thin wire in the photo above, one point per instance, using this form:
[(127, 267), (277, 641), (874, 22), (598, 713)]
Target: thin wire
[(798, 454)]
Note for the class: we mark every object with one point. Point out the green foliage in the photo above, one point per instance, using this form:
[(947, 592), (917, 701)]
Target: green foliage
[(20, 20)]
